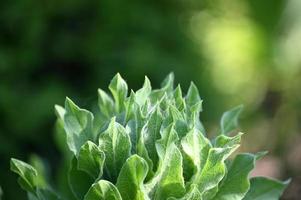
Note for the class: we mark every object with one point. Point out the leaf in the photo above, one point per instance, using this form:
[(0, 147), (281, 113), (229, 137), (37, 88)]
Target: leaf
[(37, 163), (226, 141), (193, 96), (142, 151), (265, 189), (194, 116), (115, 143), (153, 133), (103, 190), (192, 194), (229, 120), (214, 168), (60, 133), (168, 137), (119, 90), (236, 183), (1, 193), (168, 83), (176, 117), (169, 181), (27, 174), (131, 178), (142, 95), (59, 111), (134, 127), (130, 107), (105, 104), (178, 98), (91, 160), (79, 181), (196, 147), (78, 126), (166, 89), (44, 194)]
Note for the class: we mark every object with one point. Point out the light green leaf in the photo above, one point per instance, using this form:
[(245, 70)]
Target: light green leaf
[(169, 181), (194, 116), (214, 169), (135, 126), (166, 89), (78, 126), (177, 118), (37, 163), (153, 133), (196, 147), (193, 96), (178, 98), (60, 133), (59, 111), (168, 136), (131, 178), (168, 83), (142, 151), (265, 189), (105, 104), (79, 181), (27, 174), (91, 160), (229, 120), (142, 94), (227, 141), (192, 194), (1, 193), (30, 180), (115, 143), (103, 190), (236, 183), (119, 90), (130, 107)]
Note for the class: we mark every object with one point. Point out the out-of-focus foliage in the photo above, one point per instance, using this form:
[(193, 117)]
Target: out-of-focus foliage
[(236, 51)]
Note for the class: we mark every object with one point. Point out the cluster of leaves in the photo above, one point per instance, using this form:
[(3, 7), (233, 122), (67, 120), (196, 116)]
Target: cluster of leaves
[(150, 145)]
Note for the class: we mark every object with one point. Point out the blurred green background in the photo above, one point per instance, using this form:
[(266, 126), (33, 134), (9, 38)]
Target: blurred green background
[(237, 52)]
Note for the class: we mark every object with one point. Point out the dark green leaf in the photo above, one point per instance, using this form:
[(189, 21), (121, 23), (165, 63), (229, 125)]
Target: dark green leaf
[(27, 174), (236, 183), (79, 181), (265, 189)]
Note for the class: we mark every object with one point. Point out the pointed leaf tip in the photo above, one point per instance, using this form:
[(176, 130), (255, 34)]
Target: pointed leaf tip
[(193, 96), (229, 120), (103, 190), (119, 90), (27, 174)]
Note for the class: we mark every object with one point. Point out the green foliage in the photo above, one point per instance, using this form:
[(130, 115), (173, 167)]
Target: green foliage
[(150, 145), (1, 193)]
